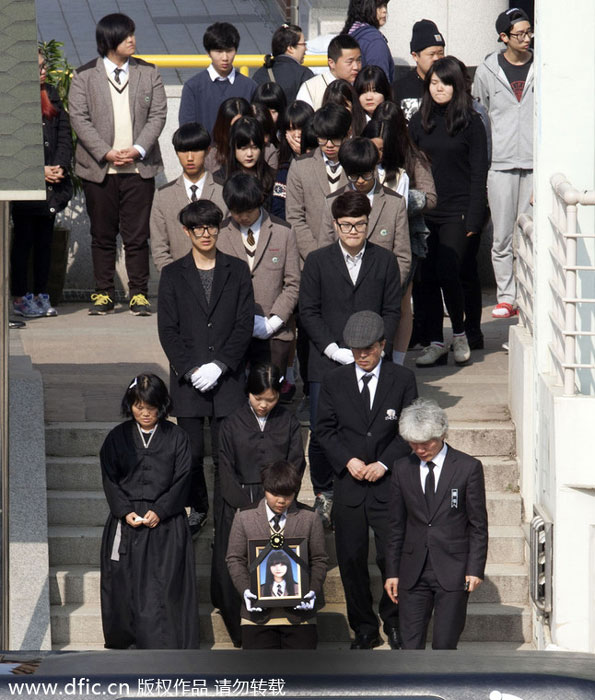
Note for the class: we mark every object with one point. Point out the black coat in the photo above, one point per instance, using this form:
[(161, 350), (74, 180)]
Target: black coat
[(328, 298), (457, 538), (345, 430), (288, 73), (193, 333)]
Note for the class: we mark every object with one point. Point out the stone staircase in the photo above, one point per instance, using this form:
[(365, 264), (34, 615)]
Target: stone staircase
[(498, 611)]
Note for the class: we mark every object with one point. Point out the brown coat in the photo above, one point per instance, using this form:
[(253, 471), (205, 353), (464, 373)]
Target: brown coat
[(307, 188), (168, 240), (92, 117), (252, 524), (276, 271), (388, 226)]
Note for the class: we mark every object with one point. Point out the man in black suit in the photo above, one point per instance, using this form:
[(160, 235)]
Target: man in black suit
[(358, 414), (338, 280), (438, 530), (205, 322)]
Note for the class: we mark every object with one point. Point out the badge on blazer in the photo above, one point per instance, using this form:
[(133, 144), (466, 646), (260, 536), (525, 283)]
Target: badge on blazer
[(391, 414), (275, 259), (277, 540), (384, 232), (147, 98), (454, 498)]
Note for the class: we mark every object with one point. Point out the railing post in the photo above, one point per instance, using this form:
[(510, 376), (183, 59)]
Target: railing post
[(570, 306)]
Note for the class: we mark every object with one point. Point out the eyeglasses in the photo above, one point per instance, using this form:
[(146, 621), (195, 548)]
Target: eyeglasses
[(364, 176), (519, 36), (200, 231), (335, 142), (359, 227)]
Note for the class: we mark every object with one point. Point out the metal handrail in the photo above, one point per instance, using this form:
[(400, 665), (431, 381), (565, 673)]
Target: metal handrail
[(523, 256), (242, 62)]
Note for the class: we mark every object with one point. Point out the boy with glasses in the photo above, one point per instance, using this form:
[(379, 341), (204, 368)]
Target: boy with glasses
[(504, 85)]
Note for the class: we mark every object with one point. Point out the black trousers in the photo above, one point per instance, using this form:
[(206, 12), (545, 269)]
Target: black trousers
[(195, 427), (272, 350), (120, 204), (33, 231), (352, 525), (321, 471), (415, 611), (279, 637)]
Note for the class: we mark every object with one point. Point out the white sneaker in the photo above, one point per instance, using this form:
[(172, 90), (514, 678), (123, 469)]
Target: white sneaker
[(461, 349), (43, 302), (432, 355)]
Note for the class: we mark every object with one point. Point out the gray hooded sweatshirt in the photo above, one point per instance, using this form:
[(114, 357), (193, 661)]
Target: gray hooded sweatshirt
[(512, 121)]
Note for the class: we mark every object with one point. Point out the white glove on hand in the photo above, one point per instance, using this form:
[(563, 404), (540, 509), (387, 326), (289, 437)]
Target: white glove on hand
[(194, 378), (207, 376), (248, 598), (260, 328), (273, 324), (343, 356), (308, 602)]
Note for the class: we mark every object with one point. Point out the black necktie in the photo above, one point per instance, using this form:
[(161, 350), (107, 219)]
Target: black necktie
[(276, 523), (279, 590), (430, 488), (193, 197), (366, 391), (117, 72)]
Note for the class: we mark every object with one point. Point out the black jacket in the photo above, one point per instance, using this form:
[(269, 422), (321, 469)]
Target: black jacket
[(288, 73), (328, 298), (193, 333)]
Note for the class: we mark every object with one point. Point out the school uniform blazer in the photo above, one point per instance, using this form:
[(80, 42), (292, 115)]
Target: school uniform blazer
[(328, 297), (307, 187), (388, 225), (168, 240), (92, 117), (193, 332), (455, 535), (252, 524), (276, 271), (345, 429)]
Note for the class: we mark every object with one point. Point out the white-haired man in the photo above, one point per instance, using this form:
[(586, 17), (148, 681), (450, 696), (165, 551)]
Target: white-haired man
[(438, 530)]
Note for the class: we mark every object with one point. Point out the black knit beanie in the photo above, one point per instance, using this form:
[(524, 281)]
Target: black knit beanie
[(425, 33)]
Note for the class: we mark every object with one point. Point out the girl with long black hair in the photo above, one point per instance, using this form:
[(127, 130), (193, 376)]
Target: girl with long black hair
[(229, 112), (372, 88)]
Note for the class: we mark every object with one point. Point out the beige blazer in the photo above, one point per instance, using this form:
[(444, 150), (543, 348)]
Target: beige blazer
[(307, 188), (276, 270), (168, 240), (388, 225), (92, 117)]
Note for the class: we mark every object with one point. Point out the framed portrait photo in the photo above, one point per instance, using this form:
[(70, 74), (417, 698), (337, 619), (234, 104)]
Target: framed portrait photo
[(279, 579)]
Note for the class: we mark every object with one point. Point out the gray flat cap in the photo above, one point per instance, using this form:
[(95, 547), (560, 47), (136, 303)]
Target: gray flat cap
[(362, 329)]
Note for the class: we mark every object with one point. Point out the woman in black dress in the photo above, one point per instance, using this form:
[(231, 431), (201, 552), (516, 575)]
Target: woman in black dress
[(148, 586), (258, 433)]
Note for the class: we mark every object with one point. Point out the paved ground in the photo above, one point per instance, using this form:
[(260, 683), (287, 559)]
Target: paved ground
[(87, 362), (162, 26)]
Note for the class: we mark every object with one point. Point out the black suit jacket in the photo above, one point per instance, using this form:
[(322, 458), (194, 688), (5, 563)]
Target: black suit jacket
[(345, 430), (455, 536), (328, 297), (193, 332)]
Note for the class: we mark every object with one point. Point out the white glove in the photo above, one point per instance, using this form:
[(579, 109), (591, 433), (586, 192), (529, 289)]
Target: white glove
[(207, 376), (260, 328), (194, 378), (343, 356), (248, 598), (273, 324), (308, 602)]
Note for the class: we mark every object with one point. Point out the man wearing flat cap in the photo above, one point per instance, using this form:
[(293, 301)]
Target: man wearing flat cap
[(358, 416)]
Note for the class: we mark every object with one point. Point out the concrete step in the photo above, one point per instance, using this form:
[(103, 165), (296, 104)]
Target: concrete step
[(74, 545), (483, 438), (84, 508), (503, 508), (501, 474), (75, 439), (73, 474)]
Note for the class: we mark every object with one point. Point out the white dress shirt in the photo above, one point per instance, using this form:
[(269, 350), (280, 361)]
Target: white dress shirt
[(369, 195), (255, 228), (110, 68), (353, 262), (438, 462), (271, 515), (372, 384), (199, 184), (213, 75), (262, 421)]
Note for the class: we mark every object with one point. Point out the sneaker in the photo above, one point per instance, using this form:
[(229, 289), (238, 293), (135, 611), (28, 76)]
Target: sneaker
[(323, 505), (139, 305), (27, 307), (196, 521), (287, 392), (504, 310), (102, 304), (14, 324), (432, 355), (43, 302), (461, 349)]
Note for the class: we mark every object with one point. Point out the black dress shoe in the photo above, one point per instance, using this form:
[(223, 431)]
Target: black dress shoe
[(366, 641), (394, 638)]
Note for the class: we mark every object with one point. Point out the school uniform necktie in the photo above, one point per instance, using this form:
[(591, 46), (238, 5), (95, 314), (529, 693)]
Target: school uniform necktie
[(278, 590), (276, 523), (193, 197), (117, 72), (430, 487), (365, 393), (250, 238)]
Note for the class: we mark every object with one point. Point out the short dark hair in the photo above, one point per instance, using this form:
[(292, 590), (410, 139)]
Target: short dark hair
[(150, 389), (111, 31), (281, 478), (191, 136), (263, 376), (340, 43), (271, 95), (242, 192), (375, 78), (309, 139), (294, 116), (350, 203), (332, 122), (201, 213), (221, 36), (358, 155)]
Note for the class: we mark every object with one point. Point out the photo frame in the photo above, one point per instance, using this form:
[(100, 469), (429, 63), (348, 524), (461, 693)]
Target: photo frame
[(294, 579)]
